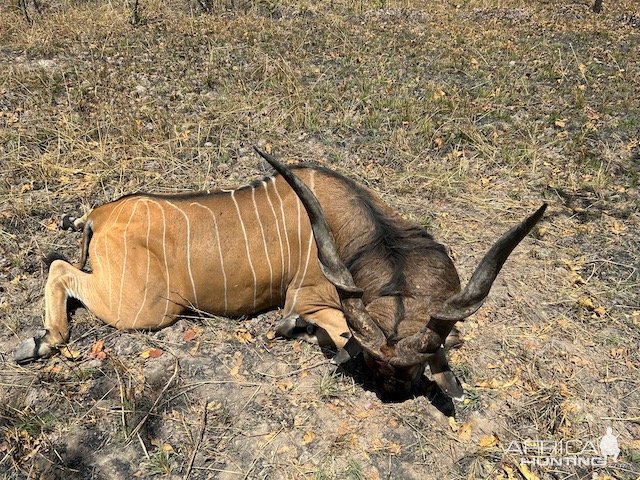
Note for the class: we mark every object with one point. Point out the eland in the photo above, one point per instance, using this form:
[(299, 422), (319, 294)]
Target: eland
[(348, 270)]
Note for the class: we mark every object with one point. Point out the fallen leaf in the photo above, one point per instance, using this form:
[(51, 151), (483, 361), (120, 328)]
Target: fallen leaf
[(618, 352), (270, 335), (189, 335), (52, 225), (579, 361), (578, 280), (564, 391), (592, 114), (97, 350), (244, 336), (464, 433), (560, 123), (617, 227), (151, 353), (586, 302), (55, 369), (494, 383), (453, 424), (439, 93), (491, 383), (488, 441), (573, 265), (155, 353), (167, 448), (366, 413), (373, 475), (394, 448), (308, 437), (238, 358), (600, 311), (343, 428), (70, 353), (285, 385)]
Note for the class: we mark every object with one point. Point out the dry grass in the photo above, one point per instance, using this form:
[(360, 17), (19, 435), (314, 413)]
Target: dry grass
[(464, 116)]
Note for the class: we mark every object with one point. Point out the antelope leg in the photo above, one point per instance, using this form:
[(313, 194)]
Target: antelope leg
[(327, 328), (293, 325), (56, 322)]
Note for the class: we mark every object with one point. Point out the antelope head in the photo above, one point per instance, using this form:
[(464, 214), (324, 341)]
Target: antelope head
[(398, 363)]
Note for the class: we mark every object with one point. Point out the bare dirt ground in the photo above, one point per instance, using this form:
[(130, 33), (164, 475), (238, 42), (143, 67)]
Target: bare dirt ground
[(465, 116)]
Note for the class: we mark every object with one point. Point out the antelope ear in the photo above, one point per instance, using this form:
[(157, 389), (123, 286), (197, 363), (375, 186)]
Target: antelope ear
[(444, 377)]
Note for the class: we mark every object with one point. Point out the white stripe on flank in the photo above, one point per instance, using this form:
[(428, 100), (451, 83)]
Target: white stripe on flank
[(284, 227), (302, 278), (96, 257), (146, 279), (106, 246), (164, 253), (298, 205), (124, 264), (224, 274), (166, 261), (275, 218), (246, 243), (264, 242), (306, 263), (193, 285)]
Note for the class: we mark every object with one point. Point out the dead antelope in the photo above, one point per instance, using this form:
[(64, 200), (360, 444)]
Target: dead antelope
[(349, 271)]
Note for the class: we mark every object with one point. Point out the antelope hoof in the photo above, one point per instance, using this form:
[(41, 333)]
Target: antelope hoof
[(351, 350), (67, 223), (31, 349), (293, 325), (341, 357)]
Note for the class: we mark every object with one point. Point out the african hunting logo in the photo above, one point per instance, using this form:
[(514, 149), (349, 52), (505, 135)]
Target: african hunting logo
[(581, 453)]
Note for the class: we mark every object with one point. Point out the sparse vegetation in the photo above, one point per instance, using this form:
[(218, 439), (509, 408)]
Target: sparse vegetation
[(462, 115)]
